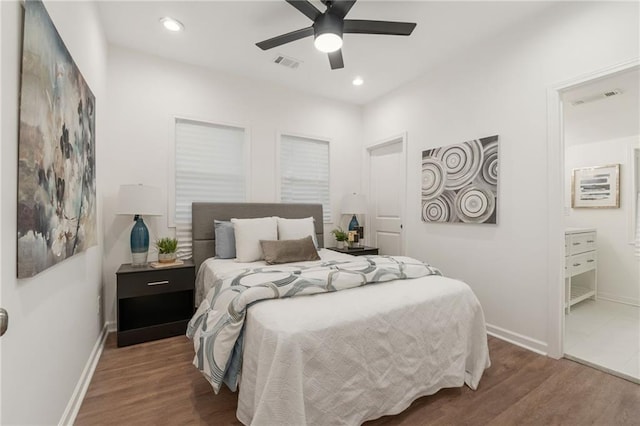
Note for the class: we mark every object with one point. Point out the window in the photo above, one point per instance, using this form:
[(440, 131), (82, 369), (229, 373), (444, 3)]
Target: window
[(210, 165), (304, 172)]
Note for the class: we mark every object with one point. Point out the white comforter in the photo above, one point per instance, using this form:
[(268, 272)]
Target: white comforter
[(355, 355)]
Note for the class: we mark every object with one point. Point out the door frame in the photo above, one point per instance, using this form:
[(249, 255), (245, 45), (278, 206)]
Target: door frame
[(555, 202), (398, 138)]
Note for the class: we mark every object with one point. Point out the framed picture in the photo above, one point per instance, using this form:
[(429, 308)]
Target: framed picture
[(56, 150), (460, 182), (596, 187)]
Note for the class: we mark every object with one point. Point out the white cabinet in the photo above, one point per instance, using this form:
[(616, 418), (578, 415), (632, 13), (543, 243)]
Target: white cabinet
[(580, 251)]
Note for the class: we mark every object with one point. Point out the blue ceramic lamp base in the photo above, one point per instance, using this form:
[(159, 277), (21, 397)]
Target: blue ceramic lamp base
[(353, 225), (139, 242)]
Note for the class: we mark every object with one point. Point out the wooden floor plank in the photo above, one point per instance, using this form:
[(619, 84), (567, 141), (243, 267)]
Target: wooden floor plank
[(155, 384)]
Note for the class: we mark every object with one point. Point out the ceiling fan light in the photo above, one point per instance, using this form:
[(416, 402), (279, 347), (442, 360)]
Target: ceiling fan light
[(328, 42)]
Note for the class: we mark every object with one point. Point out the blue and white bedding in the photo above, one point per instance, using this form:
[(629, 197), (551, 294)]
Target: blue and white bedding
[(349, 356), (217, 325)]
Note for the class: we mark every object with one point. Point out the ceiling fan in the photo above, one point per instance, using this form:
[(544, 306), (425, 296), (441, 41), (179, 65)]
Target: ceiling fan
[(329, 26)]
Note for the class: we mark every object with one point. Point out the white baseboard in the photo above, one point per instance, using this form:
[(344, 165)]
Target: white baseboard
[(517, 339), (619, 299), (73, 406), (111, 326)]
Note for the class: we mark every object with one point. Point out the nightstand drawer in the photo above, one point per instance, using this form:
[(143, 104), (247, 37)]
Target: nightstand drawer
[(146, 283), (583, 262), (584, 242)]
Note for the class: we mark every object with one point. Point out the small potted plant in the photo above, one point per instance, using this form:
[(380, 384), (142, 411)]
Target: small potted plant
[(167, 249), (340, 236)]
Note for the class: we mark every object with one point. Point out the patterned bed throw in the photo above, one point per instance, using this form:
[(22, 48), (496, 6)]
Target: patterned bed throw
[(217, 324)]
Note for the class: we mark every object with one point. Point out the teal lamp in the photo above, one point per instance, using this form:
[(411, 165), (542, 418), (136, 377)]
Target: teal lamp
[(354, 204), (139, 200)]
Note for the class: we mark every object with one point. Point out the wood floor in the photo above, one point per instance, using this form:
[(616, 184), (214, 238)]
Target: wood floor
[(154, 383)]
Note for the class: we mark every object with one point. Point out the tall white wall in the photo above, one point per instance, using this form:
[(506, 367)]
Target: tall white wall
[(54, 316), (618, 268), (147, 92), (501, 88)]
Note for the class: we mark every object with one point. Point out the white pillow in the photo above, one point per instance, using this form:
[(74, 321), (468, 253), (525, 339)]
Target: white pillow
[(295, 229), (249, 232)]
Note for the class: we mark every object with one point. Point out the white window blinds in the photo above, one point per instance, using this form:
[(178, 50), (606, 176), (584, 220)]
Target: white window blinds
[(210, 166), (304, 172)]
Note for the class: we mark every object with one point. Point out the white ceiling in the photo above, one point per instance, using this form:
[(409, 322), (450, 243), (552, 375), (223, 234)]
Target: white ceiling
[(221, 35), (607, 118)]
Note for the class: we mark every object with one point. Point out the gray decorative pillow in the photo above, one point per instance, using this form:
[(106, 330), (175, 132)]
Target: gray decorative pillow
[(225, 240), (285, 251)]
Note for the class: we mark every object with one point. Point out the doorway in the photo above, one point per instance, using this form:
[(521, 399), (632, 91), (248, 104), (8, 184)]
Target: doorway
[(600, 131), (387, 181)]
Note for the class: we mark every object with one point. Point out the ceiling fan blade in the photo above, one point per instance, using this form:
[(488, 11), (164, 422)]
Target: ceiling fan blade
[(358, 26), (342, 7), (309, 10), (335, 60), (285, 38)]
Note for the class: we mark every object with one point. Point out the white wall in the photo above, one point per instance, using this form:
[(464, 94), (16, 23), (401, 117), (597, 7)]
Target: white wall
[(501, 88), (147, 92), (618, 268), (54, 318)]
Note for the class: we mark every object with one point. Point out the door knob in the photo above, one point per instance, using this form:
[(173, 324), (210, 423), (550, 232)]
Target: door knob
[(4, 321)]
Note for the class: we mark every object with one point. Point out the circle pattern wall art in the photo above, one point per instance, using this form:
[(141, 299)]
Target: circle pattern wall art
[(460, 182)]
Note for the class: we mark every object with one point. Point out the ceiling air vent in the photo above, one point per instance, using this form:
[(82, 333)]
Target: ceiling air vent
[(596, 97), (286, 61)]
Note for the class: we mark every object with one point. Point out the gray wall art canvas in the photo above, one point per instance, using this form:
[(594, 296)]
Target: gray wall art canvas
[(460, 182), (56, 153)]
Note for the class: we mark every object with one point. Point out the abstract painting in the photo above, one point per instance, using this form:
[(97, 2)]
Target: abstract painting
[(460, 182), (596, 187), (56, 152)]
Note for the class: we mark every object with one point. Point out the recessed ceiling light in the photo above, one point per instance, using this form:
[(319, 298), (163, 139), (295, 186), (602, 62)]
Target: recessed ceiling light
[(358, 81), (171, 24)]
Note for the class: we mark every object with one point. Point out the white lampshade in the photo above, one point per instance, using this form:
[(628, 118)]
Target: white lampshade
[(139, 199), (354, 204)]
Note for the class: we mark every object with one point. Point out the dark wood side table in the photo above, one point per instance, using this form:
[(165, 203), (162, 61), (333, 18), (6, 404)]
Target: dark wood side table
[(154, 303), (356, 251)]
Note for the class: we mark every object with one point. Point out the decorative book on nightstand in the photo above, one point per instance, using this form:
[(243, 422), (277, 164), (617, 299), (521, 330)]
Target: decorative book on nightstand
[(154, 303), (356, 251)]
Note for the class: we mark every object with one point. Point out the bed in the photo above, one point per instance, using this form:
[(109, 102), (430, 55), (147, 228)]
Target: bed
[(348, 356)]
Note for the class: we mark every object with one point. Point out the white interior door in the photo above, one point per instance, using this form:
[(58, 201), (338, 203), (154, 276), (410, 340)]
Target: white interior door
[(387, 181)]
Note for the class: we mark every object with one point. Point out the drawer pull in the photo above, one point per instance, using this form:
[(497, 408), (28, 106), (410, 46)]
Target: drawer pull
[(590, 241), (590, 261), (576, 244), (158, 283), (576, 264)]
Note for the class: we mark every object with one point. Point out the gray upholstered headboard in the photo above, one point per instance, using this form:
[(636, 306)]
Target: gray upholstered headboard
[(203, 215)]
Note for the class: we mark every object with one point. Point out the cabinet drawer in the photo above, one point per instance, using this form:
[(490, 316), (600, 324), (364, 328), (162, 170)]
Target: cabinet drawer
[(581, 243), (583, 262), (155, 282), (567, 243)]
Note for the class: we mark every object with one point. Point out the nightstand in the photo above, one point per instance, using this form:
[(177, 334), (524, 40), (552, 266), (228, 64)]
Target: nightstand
[(356, 251), (154, 303)]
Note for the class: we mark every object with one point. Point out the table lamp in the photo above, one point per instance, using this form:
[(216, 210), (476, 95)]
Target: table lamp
[(138, 200), (354, 204)]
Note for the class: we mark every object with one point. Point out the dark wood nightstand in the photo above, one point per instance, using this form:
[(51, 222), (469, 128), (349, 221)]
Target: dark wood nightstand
[(154, 303), (356, 251)]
